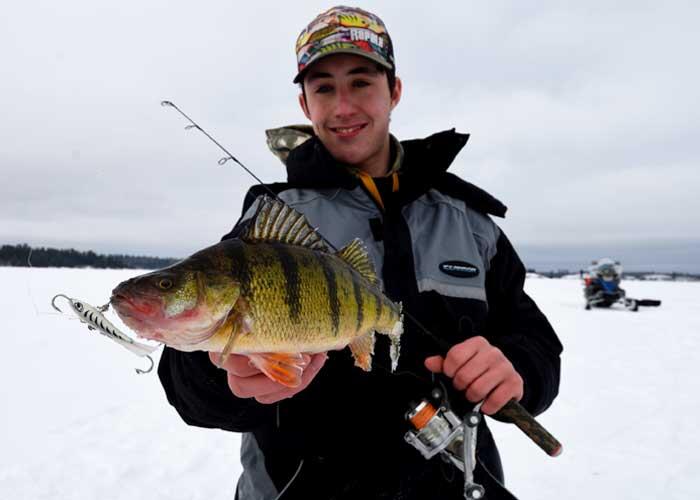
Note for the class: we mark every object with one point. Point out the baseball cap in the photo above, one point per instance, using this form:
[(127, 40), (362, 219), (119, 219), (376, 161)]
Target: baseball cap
[(344, 30)]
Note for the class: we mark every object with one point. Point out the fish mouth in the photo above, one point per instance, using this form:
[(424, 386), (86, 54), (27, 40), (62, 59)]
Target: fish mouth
[(126, 305), (146, 318), (141, 316)]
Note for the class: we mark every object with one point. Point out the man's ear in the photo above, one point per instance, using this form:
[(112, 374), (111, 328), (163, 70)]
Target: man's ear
[(304, 107), (396, 94)]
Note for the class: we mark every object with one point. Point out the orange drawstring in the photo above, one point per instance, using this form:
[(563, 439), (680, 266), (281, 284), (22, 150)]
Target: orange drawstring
[(368, 182), (371, 186)]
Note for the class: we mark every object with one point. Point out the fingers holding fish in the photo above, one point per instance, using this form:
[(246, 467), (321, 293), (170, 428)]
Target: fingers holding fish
[(255, 386), (310, 372), (247, 381)]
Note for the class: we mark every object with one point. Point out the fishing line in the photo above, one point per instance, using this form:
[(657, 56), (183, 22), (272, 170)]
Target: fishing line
[(29, 288), (279, 495)]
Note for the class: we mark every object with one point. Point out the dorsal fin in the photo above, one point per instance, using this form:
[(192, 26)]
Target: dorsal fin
[(355, 254), (276, 221)]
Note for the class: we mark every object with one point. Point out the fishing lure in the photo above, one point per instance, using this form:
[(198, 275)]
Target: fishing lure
[(95, 320)]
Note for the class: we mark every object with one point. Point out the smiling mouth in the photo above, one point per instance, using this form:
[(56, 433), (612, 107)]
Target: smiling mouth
[(348, 131)]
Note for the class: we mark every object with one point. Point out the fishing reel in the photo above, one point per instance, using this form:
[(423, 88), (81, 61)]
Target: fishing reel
[(440, 431)]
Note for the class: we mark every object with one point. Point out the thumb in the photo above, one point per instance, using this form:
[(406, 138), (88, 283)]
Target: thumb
[(434, 363)]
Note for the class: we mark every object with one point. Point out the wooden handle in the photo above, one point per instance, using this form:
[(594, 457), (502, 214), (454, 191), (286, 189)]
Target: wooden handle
[(514, 413)]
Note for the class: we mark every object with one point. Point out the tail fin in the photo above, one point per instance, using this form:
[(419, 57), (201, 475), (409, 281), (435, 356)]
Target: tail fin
[(395, 349)]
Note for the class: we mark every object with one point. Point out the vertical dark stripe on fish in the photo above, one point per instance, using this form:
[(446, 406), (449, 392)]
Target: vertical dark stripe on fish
[(292, 283), (378, 304), (241, 269), (333, 301), (358, 299)]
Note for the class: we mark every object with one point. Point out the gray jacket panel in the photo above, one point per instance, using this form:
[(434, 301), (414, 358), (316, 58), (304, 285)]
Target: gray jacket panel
[(339, 215), (255, 483), (444, 229)]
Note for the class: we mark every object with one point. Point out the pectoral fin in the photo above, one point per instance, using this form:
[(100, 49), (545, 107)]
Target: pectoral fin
[(362, 349), (237, 323), (285, 368)]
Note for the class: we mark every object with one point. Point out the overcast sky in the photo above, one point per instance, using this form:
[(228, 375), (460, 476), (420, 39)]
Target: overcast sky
[(585, 116)]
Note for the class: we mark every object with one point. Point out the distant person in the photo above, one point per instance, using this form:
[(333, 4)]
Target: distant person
[(340, 434)]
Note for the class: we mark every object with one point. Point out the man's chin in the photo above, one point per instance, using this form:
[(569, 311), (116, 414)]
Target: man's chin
[(352, 157)]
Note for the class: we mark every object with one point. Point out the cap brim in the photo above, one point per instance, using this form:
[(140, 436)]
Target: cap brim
[(355, 52)]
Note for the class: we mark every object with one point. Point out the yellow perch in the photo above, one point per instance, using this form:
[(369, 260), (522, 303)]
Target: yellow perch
[(272, 294)]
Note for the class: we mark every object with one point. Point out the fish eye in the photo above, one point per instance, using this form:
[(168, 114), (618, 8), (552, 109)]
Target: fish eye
[(78, 306), (165, 284)]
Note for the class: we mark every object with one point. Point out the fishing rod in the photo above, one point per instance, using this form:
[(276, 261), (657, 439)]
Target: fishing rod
[(511, 412)]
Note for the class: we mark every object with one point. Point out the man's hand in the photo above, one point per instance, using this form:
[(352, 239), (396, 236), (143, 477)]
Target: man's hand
[(247, 381), (480, 370)]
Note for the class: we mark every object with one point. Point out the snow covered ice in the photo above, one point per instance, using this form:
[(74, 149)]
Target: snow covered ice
[(77, 423)]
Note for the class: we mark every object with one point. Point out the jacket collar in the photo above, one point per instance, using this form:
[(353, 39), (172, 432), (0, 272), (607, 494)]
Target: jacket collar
[(310, 165), (422, 165)]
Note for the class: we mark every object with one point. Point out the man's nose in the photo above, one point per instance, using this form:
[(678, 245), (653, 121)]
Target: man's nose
[(344, 104)]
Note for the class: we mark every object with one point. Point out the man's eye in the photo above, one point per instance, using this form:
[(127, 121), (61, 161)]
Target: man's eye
[(361, 83), (324, 89)]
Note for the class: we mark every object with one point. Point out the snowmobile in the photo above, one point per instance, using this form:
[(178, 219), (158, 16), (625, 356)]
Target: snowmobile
[(602, 287)]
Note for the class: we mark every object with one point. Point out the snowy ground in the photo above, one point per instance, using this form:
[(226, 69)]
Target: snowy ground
[(78, 423)]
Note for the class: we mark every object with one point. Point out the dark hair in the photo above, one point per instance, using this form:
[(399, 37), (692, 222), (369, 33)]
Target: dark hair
[(390, 78)]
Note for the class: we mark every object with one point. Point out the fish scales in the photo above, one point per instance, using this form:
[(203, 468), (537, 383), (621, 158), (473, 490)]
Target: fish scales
[(300, 298)]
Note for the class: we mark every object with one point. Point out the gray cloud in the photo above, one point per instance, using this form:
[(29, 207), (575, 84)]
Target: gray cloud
[(584, 117)]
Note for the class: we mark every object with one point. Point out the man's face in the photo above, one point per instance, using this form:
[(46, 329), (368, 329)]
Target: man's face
[(349, 103)]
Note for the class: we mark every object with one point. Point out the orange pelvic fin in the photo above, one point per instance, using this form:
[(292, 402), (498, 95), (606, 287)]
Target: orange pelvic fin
[(285, 368), (362, 349)]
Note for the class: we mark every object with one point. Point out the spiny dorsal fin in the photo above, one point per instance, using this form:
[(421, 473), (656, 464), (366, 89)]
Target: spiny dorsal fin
[(355, 254), (276, 221)]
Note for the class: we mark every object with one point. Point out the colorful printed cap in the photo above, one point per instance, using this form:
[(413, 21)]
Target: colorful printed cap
[(344, 30)]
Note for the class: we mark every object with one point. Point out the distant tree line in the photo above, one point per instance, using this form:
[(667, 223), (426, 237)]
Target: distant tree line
[(19, 256), (640, 275)]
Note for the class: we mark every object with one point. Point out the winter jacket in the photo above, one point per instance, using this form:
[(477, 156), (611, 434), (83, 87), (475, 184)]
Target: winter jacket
[(437, 251)]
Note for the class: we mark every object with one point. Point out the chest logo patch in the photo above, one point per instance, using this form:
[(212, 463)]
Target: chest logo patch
[(459, 269)]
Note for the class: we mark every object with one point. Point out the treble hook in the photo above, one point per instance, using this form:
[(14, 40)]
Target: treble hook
[(141, 372)]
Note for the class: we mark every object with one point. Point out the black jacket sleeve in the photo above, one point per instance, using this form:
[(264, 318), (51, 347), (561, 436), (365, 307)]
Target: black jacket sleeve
[(520, 329), (200, 393)]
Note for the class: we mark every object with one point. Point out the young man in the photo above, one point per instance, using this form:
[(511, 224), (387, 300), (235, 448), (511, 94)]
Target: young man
[(340, 434)]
